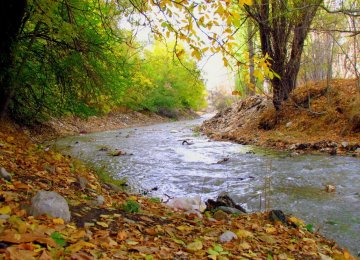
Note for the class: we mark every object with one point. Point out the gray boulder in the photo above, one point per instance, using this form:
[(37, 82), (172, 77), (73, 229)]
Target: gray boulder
[(50, 203)]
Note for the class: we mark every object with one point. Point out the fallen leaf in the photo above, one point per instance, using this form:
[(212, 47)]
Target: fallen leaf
[(44, 256), (241, 233), (122, 235), (74, 248), (130, 242), (13, 237), (270, 230), (5, 210), (103, 224), (17, 253), (21, 186), (194, 246), (58, 221), (245, 246), (145, 249)]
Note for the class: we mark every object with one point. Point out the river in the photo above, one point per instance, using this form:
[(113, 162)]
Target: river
[(158, 163)]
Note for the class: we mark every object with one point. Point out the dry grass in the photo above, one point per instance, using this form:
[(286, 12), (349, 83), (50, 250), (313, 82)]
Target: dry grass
[(319, 110)]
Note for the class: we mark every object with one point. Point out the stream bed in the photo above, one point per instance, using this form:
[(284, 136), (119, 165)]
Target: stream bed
[(158, 163)]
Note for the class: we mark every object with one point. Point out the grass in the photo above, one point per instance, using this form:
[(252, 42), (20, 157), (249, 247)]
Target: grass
[(105, 176)]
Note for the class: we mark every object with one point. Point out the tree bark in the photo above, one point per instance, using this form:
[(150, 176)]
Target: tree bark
[(250, 42), (11, 15), (282, 36)]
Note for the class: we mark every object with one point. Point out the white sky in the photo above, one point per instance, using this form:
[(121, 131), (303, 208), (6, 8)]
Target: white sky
[(216, 75)]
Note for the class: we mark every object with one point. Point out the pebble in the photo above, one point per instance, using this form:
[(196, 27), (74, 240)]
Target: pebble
[(227, 236), (344, 144), (4, 174), (83, 182), (99, 200)]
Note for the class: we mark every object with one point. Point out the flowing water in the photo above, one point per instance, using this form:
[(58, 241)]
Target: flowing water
[(160, 164)]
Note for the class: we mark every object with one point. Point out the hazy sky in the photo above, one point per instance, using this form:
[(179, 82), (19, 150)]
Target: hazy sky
[(213, 70)]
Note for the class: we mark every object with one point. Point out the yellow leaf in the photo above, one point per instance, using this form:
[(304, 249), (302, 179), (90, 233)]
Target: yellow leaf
[(226, 63), (241, 233), (245, 246), (5, 210), (245, 2), (194, 246), (103, 224), (132, 243), (79, 245), (270, 230), (58, 221), (296, 221), (184, 228), (9, 139)]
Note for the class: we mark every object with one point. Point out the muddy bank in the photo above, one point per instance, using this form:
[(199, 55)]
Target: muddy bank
[(318, 118)]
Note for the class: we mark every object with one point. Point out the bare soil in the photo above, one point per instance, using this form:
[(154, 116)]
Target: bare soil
[(318, 118)]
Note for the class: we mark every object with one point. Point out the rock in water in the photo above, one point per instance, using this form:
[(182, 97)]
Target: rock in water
[(4, 174), (223, 200), (230, 210), (278, 215), (51, 203)]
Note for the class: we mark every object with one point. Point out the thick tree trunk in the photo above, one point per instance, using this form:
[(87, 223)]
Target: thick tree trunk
[(11, 15)]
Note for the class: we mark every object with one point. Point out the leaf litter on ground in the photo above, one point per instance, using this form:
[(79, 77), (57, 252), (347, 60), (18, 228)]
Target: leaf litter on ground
[(127, 226)]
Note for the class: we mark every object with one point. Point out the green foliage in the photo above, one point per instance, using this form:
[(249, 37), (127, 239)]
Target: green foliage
[(217, 250), (72, 58), (58, 238), (167, 84), (155, 200), (131, 206), (310, 228)]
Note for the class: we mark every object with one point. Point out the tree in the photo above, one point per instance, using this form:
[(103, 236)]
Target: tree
[(283, 26), (11, 16)]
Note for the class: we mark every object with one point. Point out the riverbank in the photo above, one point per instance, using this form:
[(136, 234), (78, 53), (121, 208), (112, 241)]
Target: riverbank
[(109, 224), (72, 125), (318, 118)]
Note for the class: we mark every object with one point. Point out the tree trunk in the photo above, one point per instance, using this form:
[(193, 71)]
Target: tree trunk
[(282, 36), (250, 41), (11, 15)]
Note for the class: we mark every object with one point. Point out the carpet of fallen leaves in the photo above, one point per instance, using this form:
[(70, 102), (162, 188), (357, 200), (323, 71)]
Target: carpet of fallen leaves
[(110, 232), (317, 115)]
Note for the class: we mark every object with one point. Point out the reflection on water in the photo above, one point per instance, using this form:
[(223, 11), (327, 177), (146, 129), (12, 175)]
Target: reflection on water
[(161, 160)]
